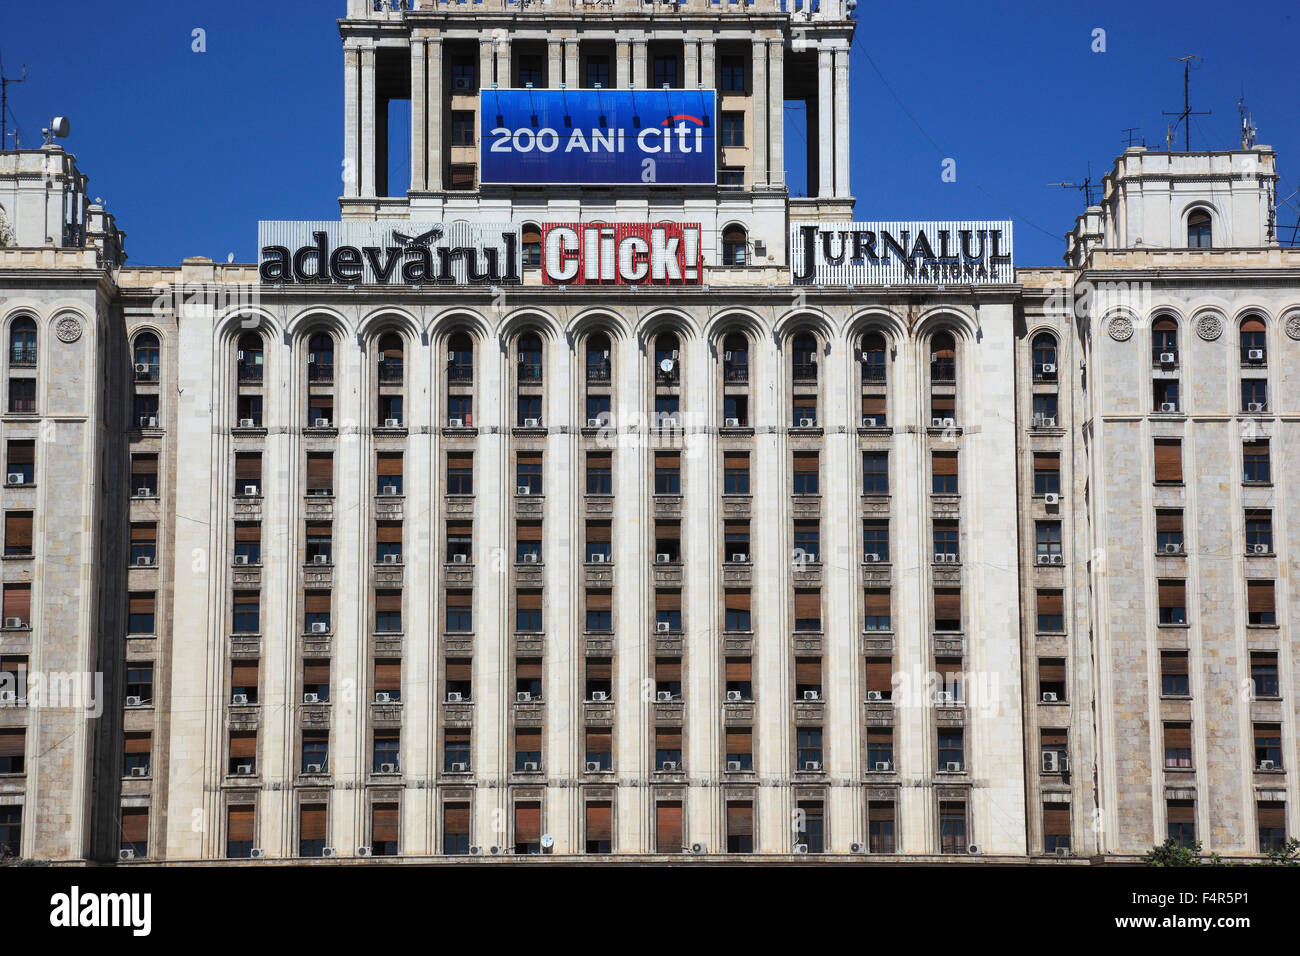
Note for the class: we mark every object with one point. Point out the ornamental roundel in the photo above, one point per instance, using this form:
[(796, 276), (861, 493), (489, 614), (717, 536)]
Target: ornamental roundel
[(68, 329), (1293, 326), (1120, 328), (1209, 327)]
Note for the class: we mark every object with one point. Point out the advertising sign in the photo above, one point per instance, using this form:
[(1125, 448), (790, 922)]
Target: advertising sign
[(597, 137), (633, 253), (393, 251), (871, 253)]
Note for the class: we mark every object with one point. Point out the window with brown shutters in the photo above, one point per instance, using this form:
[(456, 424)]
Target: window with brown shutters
[(807, 609), (1170, 520), (807, 674), (13, 745), (455, 828), (740, 826), (135, 827), (880, 826), (1053, 739), (316, 672), (460, 669), (528, 746), (945, 463), (529, 531), (668, 669), (383, 828), (243, 750), (311, 822), (942, 406), (528, 827), (388, 610), (388, 464), (1178, 745), (740, 743), (947, 609), (239, 825), (1180, 811), (248, 466), (388, 532), (880, 677), (668, 600), (805, 462), (873, 406), (1172, 597), (18, 603), (1260, 603), (668, 827), (388, 675), (20, 452), (1056, 823), (598, 532), (243, 678), (1169, 461), (317, 602), (320, 473), (460, 599), (1271, 817), (137, 743), (599, 601), (599, 826), (18, 533)]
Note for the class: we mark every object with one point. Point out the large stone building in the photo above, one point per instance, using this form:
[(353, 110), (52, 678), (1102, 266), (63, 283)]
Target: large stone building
[(494, 518)]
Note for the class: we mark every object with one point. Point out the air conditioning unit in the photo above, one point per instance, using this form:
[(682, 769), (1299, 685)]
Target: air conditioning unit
[(807, 423), (941, 422), (460, 559), (1044, 559), (1171, 548), (953, 766), (1168, 358), (739, 558), (141, 368), (1169, 406), (250, 491), (1255, 407), (812, 695), (733, 766), (383, 697), (311, 698), (388, 491), (311, 358), (664, 696), (455, 423), (1051, 761), (532, 423), (593, 422), (669, 765), (150, 421), (143, 492), (245, 423), (14, 478), (241, 559), (732, 423), (973, 849), (1062, 851), (531, 557), (133, 702), (875, 695), (143, 561), (320, 559), (455, 697), (661, 627), (882, 766), (1049, 697), (320, 627), (523, 490), (1051, 498), (599, 558), (592, 766), (1268, 765), (868, 421), (329, 852), (733, 697), (1049, 368), (239, 700), (523, 696), (531, 766), (945, 557), (800, 848), (244, 770), (943, 697), (461, 84), (662, 558), (857, 848), (872, 557), (127, 854), (388, 768), (139, 771), (392, 423), (392, 557), (459, 768), (698, 848), (812, 766), (1259, 549), (312, 768), (1255, 355), (257, 853), (1045, 421), (363, 851), (13, 622), (1057, 558), (599, 696)]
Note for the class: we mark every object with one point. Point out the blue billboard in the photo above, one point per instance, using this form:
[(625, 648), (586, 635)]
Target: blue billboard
[(597, 137)]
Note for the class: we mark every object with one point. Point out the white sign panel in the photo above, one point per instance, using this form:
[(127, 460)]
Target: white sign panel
[(901, 253)]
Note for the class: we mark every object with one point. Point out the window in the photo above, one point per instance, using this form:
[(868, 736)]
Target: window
[(735, 408), (1051, 611), (1173, 602), (135, 830), (599, 677), (22, 396), (945, 540), (947, 609), (248, 411), (388, 678), (736, 611), (316, 678), (880, 827), (739, 677), (460, 542), (1181, 821), (1254, 394), (243, 679), (1260, 606), (1164, 395), (943, 412), (733, 129), (807, 540), (597, 74), (139, 683), (1178, 746), (599, 747), (248, 474), (145, 410), (875, 473), (1164, 342), (735, 468), (600, 615), (1272, 825), (460, 473), (1044, 349), (877, 616), (734, 246), (1056, 827), (1199, 230), (320, 359), (249, 359), (1045, 411), (731, 73), (1255, 461), (803, 358), (17, 602), (943, 471), (463, 128), (1169, 461), (665, 72), (599, 474), (812, 825), (668, 541), (528, 542), (1259, 532), (952, 754), (316, 611), (460, 673), (528, 472), (530, 360), (528, 677), (530, 70), (388, 542), (880, 749), (463, 75), (460, 411), (1047, 473), (807, 678), (528, 749), (1054, 741), (599, 828), (1169, 530), (383, 829), (140, 613), (808, 748), (460, 611), (311, 829), (806, 473), (455, 829), (1047, 536), (388, 610), (455, 751), (1263, 673), (1268, 746), (875, 541), (1173, 674), (529, 411), (668, 475), (240, 821), (807, 609), (315, 751), (387, 752), (739, 749), (22, 343), (668, 826), (668, 677), (943, 360), (20, 461), (461, 175), (320, 472), (243, 753), (735, 541), (1254, 342), (319, 542), (528, 611), (13, 745), (531, 241), (740, 826), (598, 542), (1051, 679)]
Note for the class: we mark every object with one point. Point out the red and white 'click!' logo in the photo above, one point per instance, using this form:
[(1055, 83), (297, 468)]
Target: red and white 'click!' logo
[(664, 253)]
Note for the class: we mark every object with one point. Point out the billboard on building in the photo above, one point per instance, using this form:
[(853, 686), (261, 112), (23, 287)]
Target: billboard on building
[(901, 253), (621, 253), (597, 137)]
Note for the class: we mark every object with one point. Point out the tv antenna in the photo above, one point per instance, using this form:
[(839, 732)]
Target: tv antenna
[(1248, 129), (1128, 131), (1185, 116), (4, 103), (1087, 186)]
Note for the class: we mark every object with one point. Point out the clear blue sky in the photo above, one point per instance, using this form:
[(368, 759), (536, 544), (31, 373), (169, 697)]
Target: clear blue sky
[(190, 149)]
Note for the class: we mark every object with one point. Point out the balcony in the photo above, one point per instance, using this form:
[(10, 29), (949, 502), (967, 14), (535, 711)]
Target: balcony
[(873, 374), (146, 373), (530, 373), (22, 357), (320, 373), (805, 372), (598, 373), (943, 372), (249, 373), (735, 374), (390, 372), (460, 374)]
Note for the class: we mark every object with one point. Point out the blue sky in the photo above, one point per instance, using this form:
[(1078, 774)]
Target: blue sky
[(190, 149)]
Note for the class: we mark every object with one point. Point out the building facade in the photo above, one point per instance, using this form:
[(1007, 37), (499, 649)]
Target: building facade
[(631, 519)]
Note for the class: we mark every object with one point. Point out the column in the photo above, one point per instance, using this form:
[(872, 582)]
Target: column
[(776, 113), (690, 63), (487, 65), (367, 152), (419, 125), (708, 75), (622, 65), (825, 126), (351, 122), (554, 63), (639, 63), (572, 80), (501, 50), (842, 124), (758, 113), (435, 109)]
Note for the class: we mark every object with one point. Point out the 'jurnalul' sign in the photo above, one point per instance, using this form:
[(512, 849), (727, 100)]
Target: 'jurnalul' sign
[(901, 253), (388, 252)]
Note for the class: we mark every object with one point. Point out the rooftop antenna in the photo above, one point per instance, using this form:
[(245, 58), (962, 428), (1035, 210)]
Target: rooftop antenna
[(1087, 186), (1128, 131), (4, 103), (1248, 129), (1184, 117)]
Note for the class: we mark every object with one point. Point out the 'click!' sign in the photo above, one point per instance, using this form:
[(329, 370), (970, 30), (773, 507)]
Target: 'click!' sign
[(597, 137)]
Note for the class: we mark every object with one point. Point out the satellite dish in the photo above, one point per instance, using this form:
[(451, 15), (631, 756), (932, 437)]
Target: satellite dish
[(59, 126), (230, 257), (548, 841), (666, 365)]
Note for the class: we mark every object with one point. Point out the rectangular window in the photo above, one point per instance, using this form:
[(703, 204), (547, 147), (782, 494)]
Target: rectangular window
[(1173, 674), (528, 473), (733, 129), (17, 605), (316, 678), (952, 752), (243, 753), (739, 678), (944, 472), (880, 827), (600, 748), (599, 474), (664, 72), (387, 752), (315, 751), (807, 609), (139, 685), (1268, 746), (316, 612), (731, 73), (1047, 473), (1260, 605), (463, 127), (668, 827), (248, 474), (1271, 817), (311, 829), (460, 611), (528, 749), (1056, 827), (740, 826), (461, 176), (456, 750), (1254, 394), (947, 609), (1169, 461), (880, 749), (136, 748), (528, 611), (13, 746), (11, 830), (383, 829), (668, 677), (875, 473), (240, 821), (735, 467), (668, 473), (1051, 679), (18, 534), (668, 749), (135, 830), (528, 542), (460, 542), (806, 473), (1259, 532), (880, 678), (1173, 602), (812, 825), (140, 613), (599, 826), (735, 536), (599, 609), (20, 462), (243, 680), (22, 396), (599, 678), (388, 542), (1051, 611), (388, 472), (1263, 673), (1178, 746), (460, 473), (736, 611), (808, 749), (597, 74), (808, 678), (1255, 462), (388, 610), (1047, 536), (455, 829), (1180, 816), (1169, 531), (807, 540), (875, 541)]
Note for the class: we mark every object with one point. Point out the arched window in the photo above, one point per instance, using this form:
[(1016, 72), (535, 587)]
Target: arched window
[(320, 358), (1164, 341), (22, 343), (943, 359), (735, 359), (530, 357), (532, 244), (460, 358), (804, 357), (734, 245), (1044, 348), (390, 359), (873, 358), (598, 364), (1253, 349), (667, 356), (145, 357), (1199, 230), (249, 357)]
